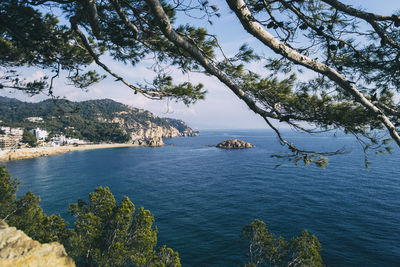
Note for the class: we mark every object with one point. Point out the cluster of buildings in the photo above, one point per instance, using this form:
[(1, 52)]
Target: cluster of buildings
[(61, 140), (12, 138)]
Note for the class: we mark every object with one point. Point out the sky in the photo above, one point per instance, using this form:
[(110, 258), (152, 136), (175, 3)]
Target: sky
[(220, 110)]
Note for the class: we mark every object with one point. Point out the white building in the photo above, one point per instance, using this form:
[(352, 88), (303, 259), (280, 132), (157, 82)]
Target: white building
[(75, 141), (62, 140), (9, 142), (16, 131), (34, 119), (40, 134), (58, 140), (6, 130)]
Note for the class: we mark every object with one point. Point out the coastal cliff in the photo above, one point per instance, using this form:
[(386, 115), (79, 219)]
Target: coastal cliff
[(18, 249)]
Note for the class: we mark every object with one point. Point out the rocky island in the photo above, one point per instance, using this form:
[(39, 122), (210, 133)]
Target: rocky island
[(234, 144)]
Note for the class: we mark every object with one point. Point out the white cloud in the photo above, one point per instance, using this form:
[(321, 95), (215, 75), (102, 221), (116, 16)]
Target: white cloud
[(37, 75)]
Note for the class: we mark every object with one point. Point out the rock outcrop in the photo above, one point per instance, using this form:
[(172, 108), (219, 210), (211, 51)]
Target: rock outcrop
[(150, 130), (18, 249), (154, 142), (182, 127), (234, 144)]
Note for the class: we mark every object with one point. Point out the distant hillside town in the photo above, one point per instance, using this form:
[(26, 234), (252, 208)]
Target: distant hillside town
[(10, 137), (15, 138), (53, 123)]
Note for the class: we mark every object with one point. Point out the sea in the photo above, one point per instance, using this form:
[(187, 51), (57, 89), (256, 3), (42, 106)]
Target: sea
[(202, 196)]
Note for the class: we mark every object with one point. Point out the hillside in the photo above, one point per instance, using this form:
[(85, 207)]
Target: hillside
[(95, 120)]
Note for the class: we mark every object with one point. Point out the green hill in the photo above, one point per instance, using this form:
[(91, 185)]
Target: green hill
[(95, 120)]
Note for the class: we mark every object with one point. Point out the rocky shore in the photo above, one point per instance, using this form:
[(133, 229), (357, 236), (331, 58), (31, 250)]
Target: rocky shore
[(153, 142), (18, 249)]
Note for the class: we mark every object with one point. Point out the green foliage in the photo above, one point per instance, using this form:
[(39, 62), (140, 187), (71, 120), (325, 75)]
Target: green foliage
[(107, 234), (8, 189), (86, 79), (30, 218), (26, 214), (104, 233), (265, 249), (30, 38), (185, 92), (29, 138), (304, 250), (166, 257)]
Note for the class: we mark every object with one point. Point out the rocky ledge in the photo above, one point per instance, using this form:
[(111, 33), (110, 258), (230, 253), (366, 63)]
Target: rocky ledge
[(234, 144), (153, 142), (18, 249)]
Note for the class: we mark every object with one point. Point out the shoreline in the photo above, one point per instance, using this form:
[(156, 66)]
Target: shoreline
[(35, 152)]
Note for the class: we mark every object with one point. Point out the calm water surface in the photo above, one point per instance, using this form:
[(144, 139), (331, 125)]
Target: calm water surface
[(202, 196)]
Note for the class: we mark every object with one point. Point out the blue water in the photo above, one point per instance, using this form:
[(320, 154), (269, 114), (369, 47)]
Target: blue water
[(202, 196)]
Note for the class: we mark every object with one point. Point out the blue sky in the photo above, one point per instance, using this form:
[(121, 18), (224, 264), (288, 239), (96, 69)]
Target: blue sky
[(220, 110)]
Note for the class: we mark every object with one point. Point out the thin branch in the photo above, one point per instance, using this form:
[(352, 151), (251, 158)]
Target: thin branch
[(302, 17), (151, 95), (371, 18), (296, 149), (359, 13), (121, 14)]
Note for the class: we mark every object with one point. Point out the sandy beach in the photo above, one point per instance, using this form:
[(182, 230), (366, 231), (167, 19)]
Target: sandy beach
[(26, 153)]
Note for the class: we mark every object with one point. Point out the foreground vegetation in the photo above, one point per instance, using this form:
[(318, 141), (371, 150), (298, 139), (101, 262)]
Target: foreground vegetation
[(106, 233)]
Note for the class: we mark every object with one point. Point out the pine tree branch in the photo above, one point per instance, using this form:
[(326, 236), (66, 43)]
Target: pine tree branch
[(371, 18), (163, 22), (151, 95), (257, 30)]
